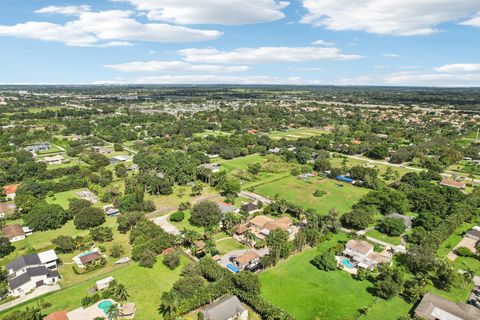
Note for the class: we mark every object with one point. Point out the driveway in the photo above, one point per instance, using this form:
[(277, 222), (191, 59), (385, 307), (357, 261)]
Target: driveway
[(166, 225), (36, 293), (254, 196)]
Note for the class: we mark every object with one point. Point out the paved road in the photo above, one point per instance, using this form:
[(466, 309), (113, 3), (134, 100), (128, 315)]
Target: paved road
[(38, 292), (254, 196)]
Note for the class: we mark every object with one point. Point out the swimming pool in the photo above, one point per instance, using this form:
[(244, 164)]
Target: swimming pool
[(232, 268), (86, 253), (104, 305), (347, 263)]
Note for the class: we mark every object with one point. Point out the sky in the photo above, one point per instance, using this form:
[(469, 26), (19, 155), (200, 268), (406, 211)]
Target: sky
[(297, 42)]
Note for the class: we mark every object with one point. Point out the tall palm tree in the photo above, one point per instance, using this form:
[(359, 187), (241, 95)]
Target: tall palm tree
[(113, 312), (169, 305), (249, 237), (120, 293)]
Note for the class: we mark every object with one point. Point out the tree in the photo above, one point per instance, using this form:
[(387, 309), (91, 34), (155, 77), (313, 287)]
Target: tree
[(359, 218), (46, 217), (247, 282), (120, 292), (177, 216), (169, 305), (325, 261), (113, 311), (6, 247), (206, 214), (322, 165), (392, 226), (172, 260), (147, 258), (230, 186), (254, 168), (389, 282), (116, 250), (76, 205), (101, 234), (65, 244), (197, 189), (128, 221), (278, 244), (446, 275), (88, 218), (121, 170)]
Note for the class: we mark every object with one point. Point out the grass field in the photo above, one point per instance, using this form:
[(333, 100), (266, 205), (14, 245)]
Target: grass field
[(180, 194), (340, 196), (308, 293), (383, 237), (228, 244), (214, 133), (296, 133), (185, 224), (144, 290), (242, 163)]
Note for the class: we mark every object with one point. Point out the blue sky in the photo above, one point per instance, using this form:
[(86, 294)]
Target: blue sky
[(344, 42)]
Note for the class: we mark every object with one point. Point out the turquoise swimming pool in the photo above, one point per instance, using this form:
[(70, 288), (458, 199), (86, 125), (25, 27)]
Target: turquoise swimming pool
[(347, 263), (104, 305)]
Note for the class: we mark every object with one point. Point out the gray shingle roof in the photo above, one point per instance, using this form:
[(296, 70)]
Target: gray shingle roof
[(31, 272), (24, 261), (224, 309)]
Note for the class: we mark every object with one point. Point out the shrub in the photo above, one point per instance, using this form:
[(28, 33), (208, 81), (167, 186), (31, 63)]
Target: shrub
[(89, 217), (172, 260), (319, 193), (177, 216), (326, 261), (464, 252)]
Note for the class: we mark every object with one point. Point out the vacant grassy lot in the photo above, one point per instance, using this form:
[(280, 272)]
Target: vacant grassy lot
[(180, 194), (185, 223), (383, 237), (296, 133), (214, 133), (144, 290), (242, 163), (339, 195)]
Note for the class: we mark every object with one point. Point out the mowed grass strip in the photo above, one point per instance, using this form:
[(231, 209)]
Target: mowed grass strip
[(297, 133), (339, 195)]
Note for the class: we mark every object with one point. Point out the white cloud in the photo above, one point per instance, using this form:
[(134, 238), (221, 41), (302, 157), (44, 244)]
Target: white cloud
[(212, 79), (226, 12), (114, 44), (474, 22), (103, 28), (265, 55), (446, 75), (459, 68), (65, 10), (358, 81), (174, 66), (322, 43), (391, 55), (404, 18)]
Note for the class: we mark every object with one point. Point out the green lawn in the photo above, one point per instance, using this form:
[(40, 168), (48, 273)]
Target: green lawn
[(338, 195), (62, 198), (144, 285), (308, 293), (214, 133), (229, 244), (185, 224), (53, 149), (295, 134), (383, 237), (180, 194), (242, 163)]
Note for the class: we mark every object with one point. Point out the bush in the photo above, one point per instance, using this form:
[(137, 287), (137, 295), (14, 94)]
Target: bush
[(147, 259), (464, 252), (101, 234), (116, 250), (88, 218), (392, 226), (326, 261), (177, 216), (319, 193), (172, 260)]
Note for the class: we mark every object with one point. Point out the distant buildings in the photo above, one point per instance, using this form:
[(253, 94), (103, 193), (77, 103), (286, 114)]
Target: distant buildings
[(453, 184), (213, 167), (57, 159), (38, 147), (32, 271), (15, 232), (10, 191), (6, 209)]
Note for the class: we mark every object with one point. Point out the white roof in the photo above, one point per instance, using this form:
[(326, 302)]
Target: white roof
[(47, 256), (104, 280)]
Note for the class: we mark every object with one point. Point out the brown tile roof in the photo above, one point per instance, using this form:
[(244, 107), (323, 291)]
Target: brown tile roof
[(58, 315), (13, 230), (284, 220), (241, 229), (10, 189), (200, 244), (90, 257), (246, 258), (452, 183), (260, 221)]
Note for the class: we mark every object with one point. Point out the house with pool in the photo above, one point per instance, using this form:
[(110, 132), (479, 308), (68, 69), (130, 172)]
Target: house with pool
[(99, 310), (361, 254)]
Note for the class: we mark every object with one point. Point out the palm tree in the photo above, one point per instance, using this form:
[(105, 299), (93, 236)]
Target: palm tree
[(120, 293), (249, 237), (113, 312), (169, 305)]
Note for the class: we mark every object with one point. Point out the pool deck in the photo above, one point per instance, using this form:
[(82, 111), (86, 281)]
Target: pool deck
[(88, 313), (344, 267)]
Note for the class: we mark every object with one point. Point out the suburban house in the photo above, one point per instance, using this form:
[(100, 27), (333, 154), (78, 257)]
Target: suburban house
[(57, 315), (84, 259), (110, 210), (57, 159), (263, 225), (38, 147), (118, 159), (433, 307), (213, 167), (10, 191), (362, 254), (473, 233), (6, 209), (15, 232), (226, 208), (101, 150), (248, 260), (29, 272), (453, 184), (227, 308), (406, 219), (250, 208)]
